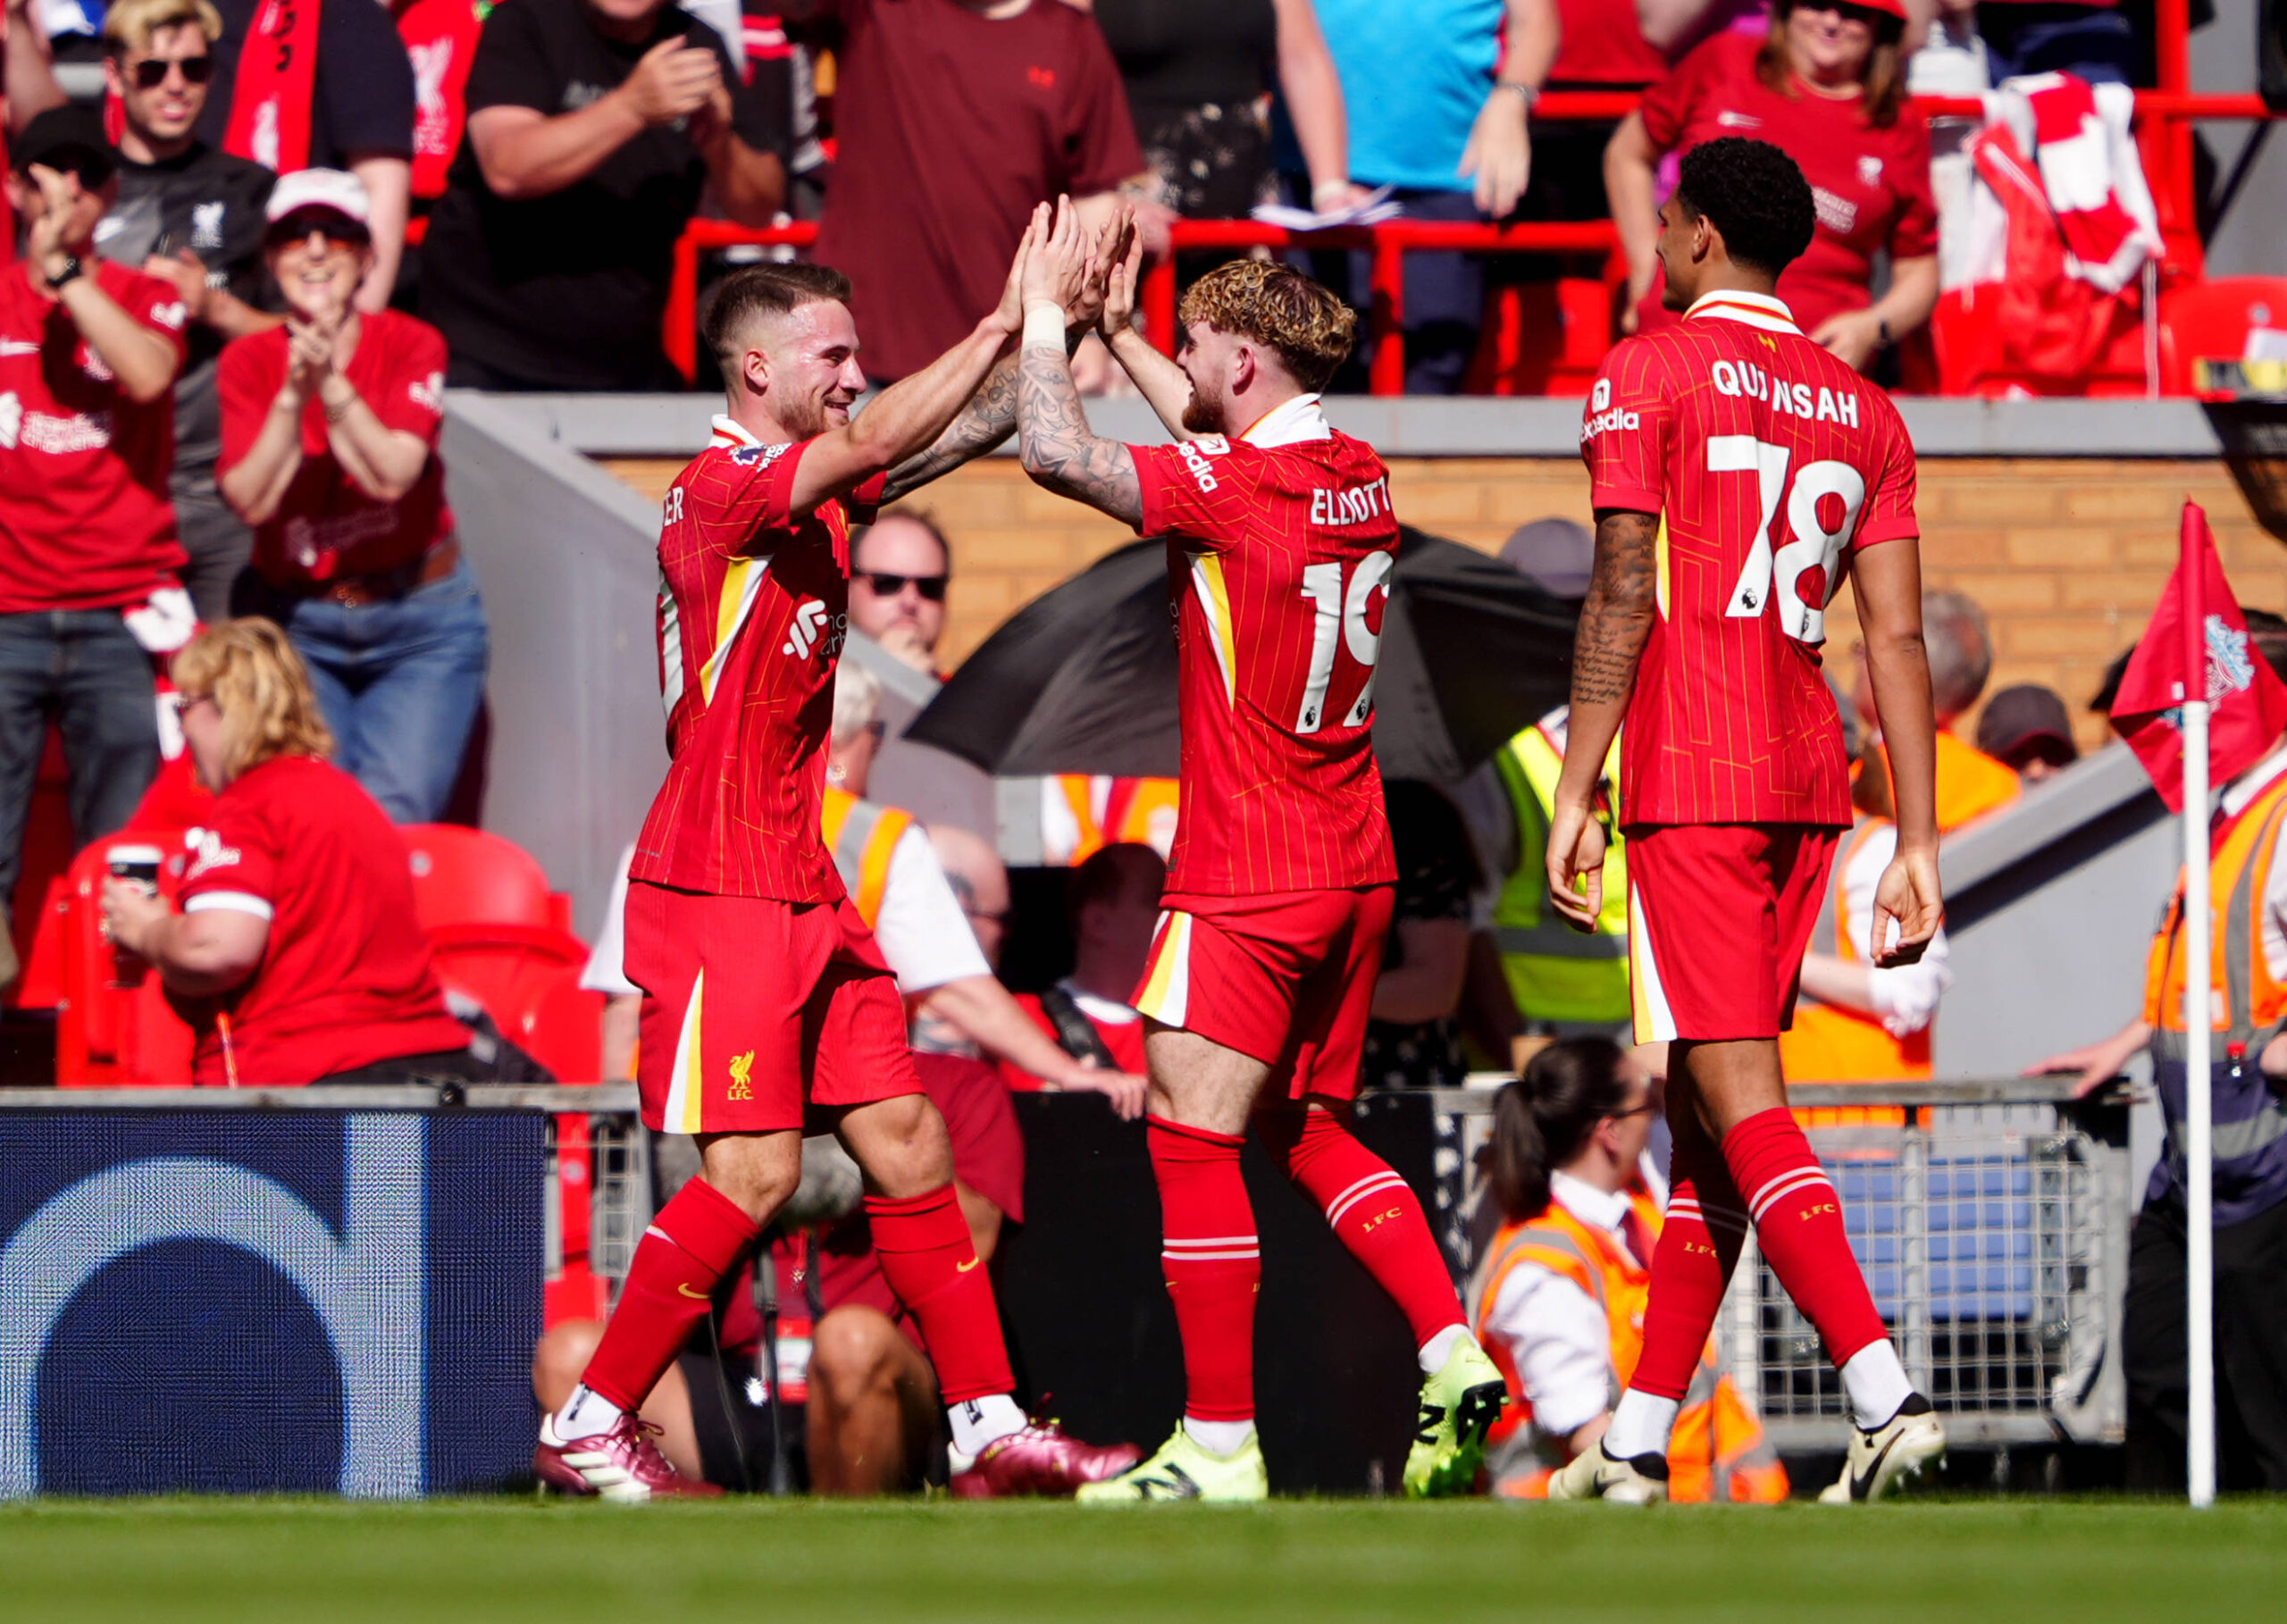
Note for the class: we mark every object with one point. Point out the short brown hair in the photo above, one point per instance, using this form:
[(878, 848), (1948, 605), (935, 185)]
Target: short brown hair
[(128, 26), (262, 687), (1884, 81), (773, 289), (1308, 329)]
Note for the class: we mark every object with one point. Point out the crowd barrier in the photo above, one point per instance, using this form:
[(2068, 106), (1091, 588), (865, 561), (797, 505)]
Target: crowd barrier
[(338, 1289), (2165, 117)]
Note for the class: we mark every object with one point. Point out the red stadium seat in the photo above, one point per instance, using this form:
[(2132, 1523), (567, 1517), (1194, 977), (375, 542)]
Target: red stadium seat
[(1543, 339), (517, 972), (1970, 338), (467, 876), (110, 1036), (2211, 320)]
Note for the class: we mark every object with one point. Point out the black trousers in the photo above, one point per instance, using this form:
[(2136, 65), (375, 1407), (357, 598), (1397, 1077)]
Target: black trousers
[(2250, 1350)]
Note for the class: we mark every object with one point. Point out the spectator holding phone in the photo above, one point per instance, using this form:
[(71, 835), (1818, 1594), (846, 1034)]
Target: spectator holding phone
[(330, 428), (298, 955), (191, 215)]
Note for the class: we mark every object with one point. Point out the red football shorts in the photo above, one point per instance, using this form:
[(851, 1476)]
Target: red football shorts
[(1287, 977), (1718, 917), (753, 1008)]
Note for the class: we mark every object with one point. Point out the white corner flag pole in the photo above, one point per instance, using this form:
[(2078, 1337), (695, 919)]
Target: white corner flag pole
[(2199, 1248)]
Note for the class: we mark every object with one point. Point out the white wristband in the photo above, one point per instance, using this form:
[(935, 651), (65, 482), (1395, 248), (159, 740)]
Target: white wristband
[(1044, 324)]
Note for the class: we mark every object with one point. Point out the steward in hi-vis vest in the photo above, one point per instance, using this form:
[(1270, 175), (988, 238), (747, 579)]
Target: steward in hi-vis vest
[(1555, 973)]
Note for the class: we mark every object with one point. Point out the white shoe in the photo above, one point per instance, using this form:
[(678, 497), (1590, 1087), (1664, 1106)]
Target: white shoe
[(1895, 1452), (1594, 1475)]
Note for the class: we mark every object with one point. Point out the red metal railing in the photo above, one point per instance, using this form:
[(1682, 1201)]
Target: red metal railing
[(2165, 117)]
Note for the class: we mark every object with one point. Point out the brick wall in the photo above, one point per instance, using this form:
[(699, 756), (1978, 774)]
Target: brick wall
[(2067, 555)]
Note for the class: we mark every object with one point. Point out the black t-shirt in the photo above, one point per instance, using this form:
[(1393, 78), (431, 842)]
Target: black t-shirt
[(211, 204), (362, 99), (1180, 54), (566, 292)]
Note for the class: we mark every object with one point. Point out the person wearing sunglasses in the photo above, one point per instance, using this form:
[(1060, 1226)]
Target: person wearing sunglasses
[(900, 566), (192, 216), (330, 427), (1826, 84), (1559, 1291)]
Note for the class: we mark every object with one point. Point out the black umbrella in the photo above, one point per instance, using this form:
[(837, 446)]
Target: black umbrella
[(1083, 679)]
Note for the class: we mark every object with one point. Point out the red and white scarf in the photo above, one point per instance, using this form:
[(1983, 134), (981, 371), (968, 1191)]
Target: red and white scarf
[(278, 68)]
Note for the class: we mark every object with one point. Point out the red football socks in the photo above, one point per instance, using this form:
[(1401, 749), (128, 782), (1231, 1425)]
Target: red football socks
[(696, 1239), (930, 1261), (1373, 1211), (1698, 1248), (1798, 1225), (1213, 1264)]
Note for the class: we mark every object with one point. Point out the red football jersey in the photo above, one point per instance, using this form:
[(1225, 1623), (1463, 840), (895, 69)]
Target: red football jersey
[(754, 604), (1769, 460), (348, 977), (1280, 546)]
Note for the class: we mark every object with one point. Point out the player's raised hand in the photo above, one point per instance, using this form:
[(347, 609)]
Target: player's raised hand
[(1576, 866), (1908, 903), (1010, 313), (1111, 246), (1059, 264), (1120, 290)]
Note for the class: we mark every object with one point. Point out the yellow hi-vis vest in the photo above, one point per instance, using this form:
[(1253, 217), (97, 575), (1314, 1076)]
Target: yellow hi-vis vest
[(862, 838), (1555, 972)]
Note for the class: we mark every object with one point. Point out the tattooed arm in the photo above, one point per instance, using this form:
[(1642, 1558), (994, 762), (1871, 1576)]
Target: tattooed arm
[(982, 427), (1058, 450), (1615, 623)]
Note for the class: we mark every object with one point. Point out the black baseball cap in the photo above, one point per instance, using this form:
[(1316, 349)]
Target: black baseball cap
[(2026, 723), (69, 139)]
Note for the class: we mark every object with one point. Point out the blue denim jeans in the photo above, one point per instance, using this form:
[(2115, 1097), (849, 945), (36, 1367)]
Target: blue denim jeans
[(82, 670), (399, 682)]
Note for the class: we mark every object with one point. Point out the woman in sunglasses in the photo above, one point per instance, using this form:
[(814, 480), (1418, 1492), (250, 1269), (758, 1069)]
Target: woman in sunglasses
[(1558, 1297), (330, 429), (1826, 85)]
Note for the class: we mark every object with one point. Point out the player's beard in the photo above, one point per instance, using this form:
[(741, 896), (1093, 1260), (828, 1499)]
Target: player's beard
[(814, 418), (1201, 415)]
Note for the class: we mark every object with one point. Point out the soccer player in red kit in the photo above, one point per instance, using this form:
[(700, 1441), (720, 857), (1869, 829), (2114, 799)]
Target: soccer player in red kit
[(1280, 545), (1738, 470), (766, 1005)]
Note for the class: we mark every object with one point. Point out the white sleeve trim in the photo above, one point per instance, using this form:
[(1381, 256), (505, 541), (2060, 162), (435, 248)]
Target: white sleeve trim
[(233, 902), (924, 935), (1559, 1345)]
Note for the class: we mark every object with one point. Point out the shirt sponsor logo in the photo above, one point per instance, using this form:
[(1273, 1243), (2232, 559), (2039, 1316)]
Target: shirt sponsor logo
[(1838, 215), (1354, 505), (212, 854), (812, 627), (1604, 422), (171, 315), (56, 436), (1745, 380), (428, 393), (309, 539), (207, 226), (95, 365)]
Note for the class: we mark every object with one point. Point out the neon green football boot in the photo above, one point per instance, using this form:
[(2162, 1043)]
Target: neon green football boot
[(1185, 1470), (1459, 1405)]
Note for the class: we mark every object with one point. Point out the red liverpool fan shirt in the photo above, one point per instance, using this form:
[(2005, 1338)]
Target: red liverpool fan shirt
[(326, 527), (1768, 461), (1280, 545), (347, 978), (1871, 186), (754, 603), (85, 519)]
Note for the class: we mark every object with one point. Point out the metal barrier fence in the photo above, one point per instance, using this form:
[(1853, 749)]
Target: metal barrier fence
[(1992, 1224)]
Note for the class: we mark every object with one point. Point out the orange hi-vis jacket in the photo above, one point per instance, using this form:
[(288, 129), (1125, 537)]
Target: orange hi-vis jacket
[(1141, 811), (1718, 1449), (1827, 1045), (862, 838), (2249, 1004)]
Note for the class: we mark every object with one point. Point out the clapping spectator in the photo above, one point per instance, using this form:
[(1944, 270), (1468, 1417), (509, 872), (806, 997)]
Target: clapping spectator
[(297, 956), (2027, 729), (593, 127), (1826, 85), (954, 119), (900, 566), (88, 352), (192, 216), (1437, 94), (326, 85), (330, 428), (1198, 75)]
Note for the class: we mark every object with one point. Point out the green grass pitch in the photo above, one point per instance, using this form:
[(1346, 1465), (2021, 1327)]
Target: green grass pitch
[(1326, 1562)]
